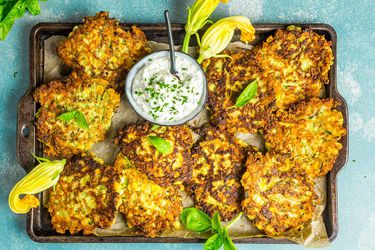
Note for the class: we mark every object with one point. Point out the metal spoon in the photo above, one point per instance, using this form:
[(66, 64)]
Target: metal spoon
[(171, 46)]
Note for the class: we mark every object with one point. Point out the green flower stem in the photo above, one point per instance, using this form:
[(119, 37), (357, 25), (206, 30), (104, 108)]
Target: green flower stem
[(185, 46), (200, 59)]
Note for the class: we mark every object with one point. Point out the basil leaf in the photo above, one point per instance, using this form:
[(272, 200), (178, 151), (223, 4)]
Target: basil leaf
[(12, 10), (213, 243), (195, 220), (247, 94), (81, 120), (228, 244), (16, 10), (163, 146), (67, 116), (216, 224), (77, 116)]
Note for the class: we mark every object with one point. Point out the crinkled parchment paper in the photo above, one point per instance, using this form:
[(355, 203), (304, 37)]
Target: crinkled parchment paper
[(314, 235)]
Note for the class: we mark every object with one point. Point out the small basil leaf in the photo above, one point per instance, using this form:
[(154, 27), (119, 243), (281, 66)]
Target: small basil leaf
[(195, 220), (67, 116), (228, 244), (81, 120), (213, 243), (216, 224), (247, 94), (163, 146)]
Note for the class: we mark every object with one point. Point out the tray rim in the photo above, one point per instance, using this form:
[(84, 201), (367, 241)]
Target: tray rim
[(23, 119)]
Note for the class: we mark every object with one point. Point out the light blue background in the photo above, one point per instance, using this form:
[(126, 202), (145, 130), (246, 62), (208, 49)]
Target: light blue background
[(355, 23)]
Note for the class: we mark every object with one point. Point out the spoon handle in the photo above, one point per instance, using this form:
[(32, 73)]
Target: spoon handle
[(171, 43)]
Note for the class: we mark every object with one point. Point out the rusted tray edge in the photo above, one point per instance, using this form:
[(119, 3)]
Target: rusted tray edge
[(48, 27)]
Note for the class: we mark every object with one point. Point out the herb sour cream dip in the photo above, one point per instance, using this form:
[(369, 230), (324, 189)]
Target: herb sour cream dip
[(161, 95)]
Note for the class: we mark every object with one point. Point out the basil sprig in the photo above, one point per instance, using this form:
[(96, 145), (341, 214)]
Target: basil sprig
[(247, 94), (10, 10), (77, 116), (197, 221), (161, 145)]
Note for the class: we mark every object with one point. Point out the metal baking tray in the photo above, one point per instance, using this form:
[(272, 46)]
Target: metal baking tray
[(38, 224)]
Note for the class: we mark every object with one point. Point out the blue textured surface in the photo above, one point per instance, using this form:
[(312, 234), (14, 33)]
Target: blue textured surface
[(355, 25)]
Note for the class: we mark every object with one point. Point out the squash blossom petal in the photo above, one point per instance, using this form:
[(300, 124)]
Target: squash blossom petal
[(197, 18), (219, 35), (42, 177)]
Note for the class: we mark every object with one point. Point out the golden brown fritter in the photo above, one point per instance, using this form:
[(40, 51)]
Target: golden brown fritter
[(94, 99), (279, 198), (217, 155), (100, 48), (226, 79), (224, 196), (297, 63), (164, 169), (147, 207), (85, 197), (217, 162), (310, 132)]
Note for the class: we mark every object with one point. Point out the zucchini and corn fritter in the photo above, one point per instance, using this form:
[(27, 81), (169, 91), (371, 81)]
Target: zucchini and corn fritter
[(223, 195), (100, 48), (93, 98), (147, 206), (279, 195), (85, 197), (217, 164), (226, 79), (164, 169), (310, 133), (297, 63)]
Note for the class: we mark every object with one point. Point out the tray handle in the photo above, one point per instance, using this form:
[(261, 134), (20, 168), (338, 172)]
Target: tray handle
[(26, 132)]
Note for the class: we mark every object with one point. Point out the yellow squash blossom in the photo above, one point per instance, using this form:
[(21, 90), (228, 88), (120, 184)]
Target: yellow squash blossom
[(219, 35), (197, 18), (42, 177)]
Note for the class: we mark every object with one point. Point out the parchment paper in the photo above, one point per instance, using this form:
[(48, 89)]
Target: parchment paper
[(314, 235)]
